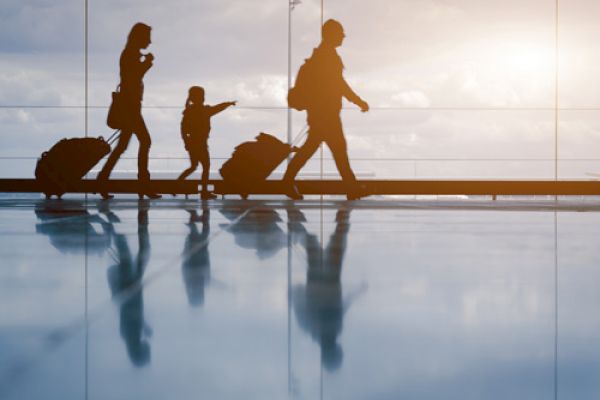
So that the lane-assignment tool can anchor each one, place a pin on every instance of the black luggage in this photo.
(68, 161)
(252, 162)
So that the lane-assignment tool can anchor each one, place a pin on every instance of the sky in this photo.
(455, 84)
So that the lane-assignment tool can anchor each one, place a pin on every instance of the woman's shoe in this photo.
(207, 196)
(291, 191)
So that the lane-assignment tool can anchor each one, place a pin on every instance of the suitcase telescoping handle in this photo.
(303, 132)
(113, 138)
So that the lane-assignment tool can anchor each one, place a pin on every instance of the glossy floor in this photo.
(267, 300)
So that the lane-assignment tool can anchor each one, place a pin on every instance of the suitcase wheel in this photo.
(49, 195)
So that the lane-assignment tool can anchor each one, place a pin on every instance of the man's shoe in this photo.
(357, 193)
(292, 192)
(353, 196)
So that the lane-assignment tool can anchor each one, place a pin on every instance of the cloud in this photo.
(41, 26)
(27, 87)
(412, 98)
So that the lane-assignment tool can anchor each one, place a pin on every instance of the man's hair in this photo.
(331, 26)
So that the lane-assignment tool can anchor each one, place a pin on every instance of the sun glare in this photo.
(528, 59)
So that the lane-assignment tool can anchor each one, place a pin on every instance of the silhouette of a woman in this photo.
(133, 66)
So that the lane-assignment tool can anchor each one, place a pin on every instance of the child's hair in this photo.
(195, 91)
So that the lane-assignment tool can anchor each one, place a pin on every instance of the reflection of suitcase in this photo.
(68, 161)
(71, 231)
(252, 162)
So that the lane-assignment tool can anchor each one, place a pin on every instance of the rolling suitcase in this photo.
(68, 161)
(252, 162)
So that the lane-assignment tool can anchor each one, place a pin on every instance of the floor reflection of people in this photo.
(195, 268)
(125, 280)
(319, 304)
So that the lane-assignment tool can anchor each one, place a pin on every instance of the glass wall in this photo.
(457, 89)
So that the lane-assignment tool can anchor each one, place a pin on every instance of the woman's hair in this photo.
(194, 92)
(136, 33)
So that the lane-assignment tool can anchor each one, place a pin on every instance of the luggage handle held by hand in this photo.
(297, 139)
(113, 138)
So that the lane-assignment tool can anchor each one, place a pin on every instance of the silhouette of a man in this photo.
(319, 304)
(328, 86)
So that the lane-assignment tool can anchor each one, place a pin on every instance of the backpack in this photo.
(300, 95)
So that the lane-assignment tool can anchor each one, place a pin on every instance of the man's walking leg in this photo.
(339, 150)
(300, 158)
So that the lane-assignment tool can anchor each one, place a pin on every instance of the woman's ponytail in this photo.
(188, 101)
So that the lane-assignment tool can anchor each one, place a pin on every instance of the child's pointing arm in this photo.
(220, 107)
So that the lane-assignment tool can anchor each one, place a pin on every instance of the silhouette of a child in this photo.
(195, 128)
